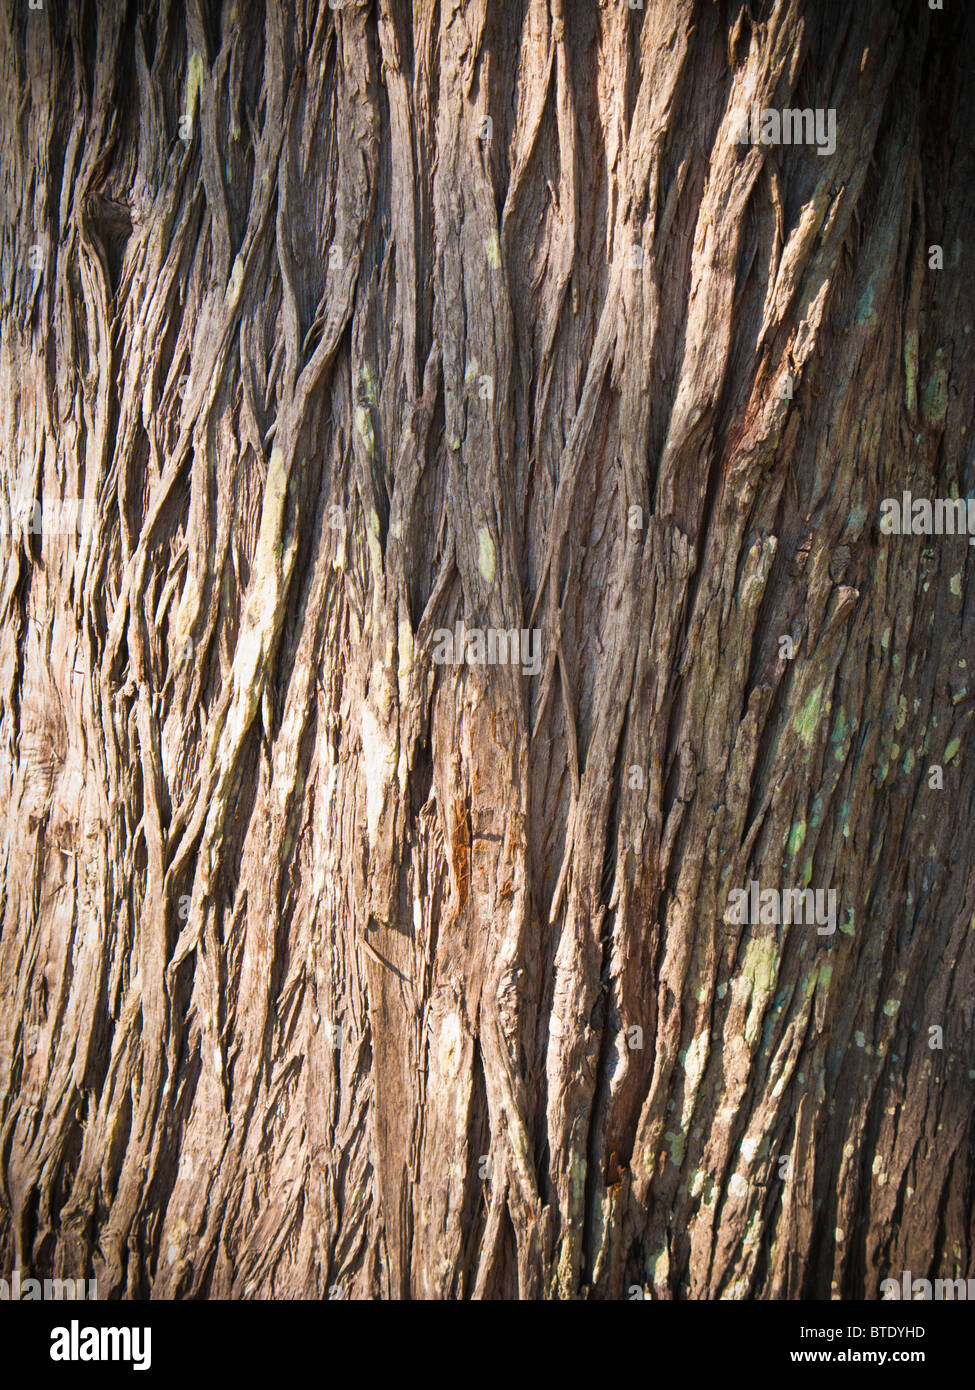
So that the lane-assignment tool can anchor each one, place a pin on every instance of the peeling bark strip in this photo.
(329, 968)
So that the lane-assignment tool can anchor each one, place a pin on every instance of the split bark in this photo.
(327, 969)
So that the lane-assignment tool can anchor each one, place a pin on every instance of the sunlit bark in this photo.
(331, 966)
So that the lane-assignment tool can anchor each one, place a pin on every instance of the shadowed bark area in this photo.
(327, 967)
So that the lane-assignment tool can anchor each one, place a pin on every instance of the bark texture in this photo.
(327, 970)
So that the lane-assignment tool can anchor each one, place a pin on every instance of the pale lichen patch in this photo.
(487, 560)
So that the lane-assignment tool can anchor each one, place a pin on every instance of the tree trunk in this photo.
(342, 956)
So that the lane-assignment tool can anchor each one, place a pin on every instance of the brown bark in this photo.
(327, 969)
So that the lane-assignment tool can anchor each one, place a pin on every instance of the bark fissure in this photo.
(330, 967)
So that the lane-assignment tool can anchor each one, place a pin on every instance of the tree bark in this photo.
(330, 968)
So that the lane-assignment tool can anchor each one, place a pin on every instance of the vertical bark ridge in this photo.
(328, 969)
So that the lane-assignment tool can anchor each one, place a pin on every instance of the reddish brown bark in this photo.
(330, 968)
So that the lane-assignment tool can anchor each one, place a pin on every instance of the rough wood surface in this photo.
(326, 969)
